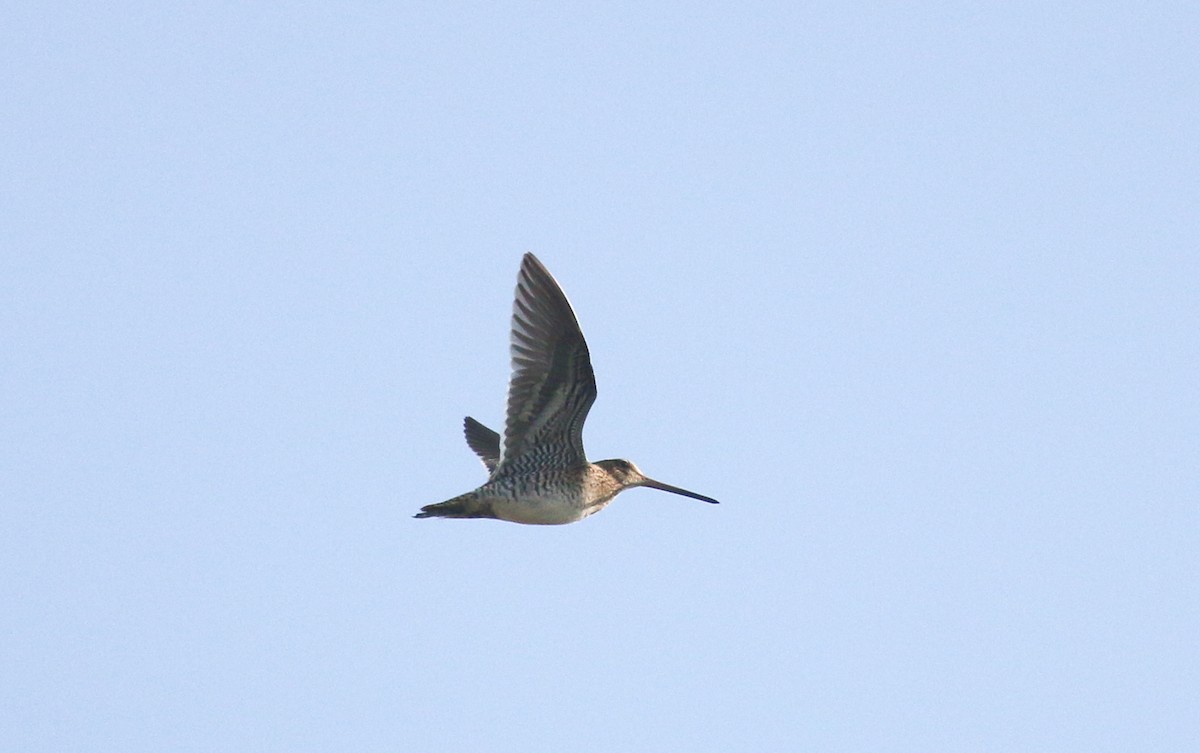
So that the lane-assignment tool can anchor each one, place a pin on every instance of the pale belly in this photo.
(542, 511)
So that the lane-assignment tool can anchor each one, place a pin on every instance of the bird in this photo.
(538, 473)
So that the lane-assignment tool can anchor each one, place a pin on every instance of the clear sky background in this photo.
(913, 289)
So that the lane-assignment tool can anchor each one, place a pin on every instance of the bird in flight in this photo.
(539, 474)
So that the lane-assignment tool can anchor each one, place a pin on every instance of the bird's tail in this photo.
(467, 505)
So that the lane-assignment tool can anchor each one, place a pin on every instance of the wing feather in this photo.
(552, 386)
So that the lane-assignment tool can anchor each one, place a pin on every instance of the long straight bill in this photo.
(676, 490)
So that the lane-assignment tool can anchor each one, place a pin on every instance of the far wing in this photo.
(483, 441)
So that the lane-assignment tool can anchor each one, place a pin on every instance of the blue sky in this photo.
(913, 289)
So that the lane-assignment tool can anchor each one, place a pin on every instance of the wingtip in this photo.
(530, 264)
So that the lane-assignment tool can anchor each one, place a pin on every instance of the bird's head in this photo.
(629, 475)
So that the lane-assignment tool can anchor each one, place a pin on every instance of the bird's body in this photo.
(547, 497)
(541, 476)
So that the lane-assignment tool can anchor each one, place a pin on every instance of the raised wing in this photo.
(483, 441)
(552, 386)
